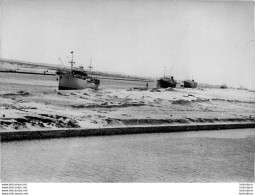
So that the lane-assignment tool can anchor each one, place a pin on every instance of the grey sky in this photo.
(209, 41)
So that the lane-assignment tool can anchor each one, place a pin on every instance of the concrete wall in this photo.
(46, 134)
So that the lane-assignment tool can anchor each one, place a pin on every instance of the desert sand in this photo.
(24, 109)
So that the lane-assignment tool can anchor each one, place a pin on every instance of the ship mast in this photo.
(90, 67)
(72, 62)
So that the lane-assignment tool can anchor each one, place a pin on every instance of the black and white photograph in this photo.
(127, 91)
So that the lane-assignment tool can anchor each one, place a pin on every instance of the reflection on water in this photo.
(205, 156)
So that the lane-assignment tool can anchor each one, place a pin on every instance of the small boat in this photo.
(166, 82)
(76, 78)
(223, 86)
(190, 84)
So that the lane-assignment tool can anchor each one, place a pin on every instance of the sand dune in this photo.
(88, 108)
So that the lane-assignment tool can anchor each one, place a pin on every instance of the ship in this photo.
(166, 82)
(242, 88)
(223, 86)
(190, 84)
(76, 78)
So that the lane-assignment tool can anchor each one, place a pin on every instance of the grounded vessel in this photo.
(166, 82)
(76, 78)
(190, 84)
(223, 86)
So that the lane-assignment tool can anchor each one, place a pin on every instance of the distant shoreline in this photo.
(24, 72)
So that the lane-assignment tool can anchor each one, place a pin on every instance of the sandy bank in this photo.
(32, 109)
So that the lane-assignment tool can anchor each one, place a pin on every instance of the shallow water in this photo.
(38, 83)
(204, 156)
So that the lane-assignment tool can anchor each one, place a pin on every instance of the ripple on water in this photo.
(208, 156)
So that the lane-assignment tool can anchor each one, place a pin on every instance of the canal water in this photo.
(38, 83)
(203, 156)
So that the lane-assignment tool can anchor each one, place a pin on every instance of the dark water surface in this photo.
(205, 156)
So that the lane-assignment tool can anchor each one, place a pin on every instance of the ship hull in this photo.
(223, 87)
(190, 84)
(69, 82)
(165, 84)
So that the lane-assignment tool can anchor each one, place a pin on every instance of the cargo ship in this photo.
(190, 84)
(76, 78)
(166, 82)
